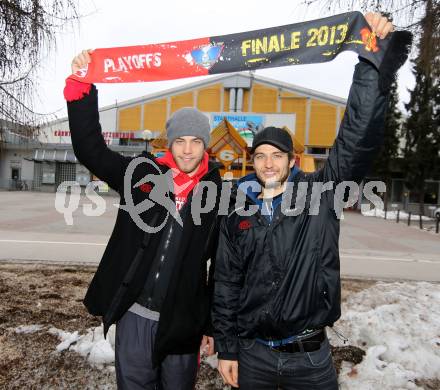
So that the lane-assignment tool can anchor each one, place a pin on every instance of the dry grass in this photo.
(52, 296)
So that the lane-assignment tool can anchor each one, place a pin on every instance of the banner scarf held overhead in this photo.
(309, 42)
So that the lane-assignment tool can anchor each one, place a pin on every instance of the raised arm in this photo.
(87, 140)
(361, 131)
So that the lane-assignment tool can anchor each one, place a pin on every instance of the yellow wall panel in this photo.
(155, 115)
(182, 100)
(130, 119)
(226, 100)
(246, 94)
(341, 113)
(264, 99)
(208, 99)
(292, 103)
(322, 124)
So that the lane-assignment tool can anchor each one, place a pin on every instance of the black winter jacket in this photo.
(124, 267)
(276, 279)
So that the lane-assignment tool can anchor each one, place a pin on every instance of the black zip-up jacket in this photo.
(276, 279)
(125, 265)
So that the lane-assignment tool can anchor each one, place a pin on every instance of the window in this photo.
(318, 151)
(15, 173)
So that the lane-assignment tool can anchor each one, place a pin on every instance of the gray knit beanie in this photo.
(188, 121)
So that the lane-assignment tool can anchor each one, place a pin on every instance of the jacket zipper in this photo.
(169, 236)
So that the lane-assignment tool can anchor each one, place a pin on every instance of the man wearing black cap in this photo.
(277, 280)
(252, 272)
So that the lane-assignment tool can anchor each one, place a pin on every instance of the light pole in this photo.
(147, 136)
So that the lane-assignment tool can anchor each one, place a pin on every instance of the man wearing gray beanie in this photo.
(188, 121)
(155, 286)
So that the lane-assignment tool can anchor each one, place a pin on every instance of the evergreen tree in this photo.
(385, 159)
(422, 128)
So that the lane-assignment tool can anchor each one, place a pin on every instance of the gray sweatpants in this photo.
(134, 368)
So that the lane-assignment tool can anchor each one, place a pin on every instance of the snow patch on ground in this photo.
(67, 338)
(92, 345)
(374, 373)
(392, 215)
(28, 328)
(398, 326)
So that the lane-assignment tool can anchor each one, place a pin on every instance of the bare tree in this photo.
(421, 130)
(406, 14)
(28, 32)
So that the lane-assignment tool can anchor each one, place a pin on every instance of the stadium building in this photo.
(238, 105)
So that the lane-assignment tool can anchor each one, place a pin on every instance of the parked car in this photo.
(437, 213)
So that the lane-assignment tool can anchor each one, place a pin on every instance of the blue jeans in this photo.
(262, 368)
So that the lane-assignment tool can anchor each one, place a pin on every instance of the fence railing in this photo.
(423, 221)
(18, 185)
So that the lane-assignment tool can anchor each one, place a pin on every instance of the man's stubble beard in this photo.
(274, 184)
(192, 169)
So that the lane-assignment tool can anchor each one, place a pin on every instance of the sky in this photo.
(135, 22)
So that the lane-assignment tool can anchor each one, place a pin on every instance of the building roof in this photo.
(230, 79)
(226, 133)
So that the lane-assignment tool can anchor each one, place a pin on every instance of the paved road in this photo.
(373, 247)
(31, 229)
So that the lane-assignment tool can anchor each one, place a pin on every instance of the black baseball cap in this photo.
(275, 136)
